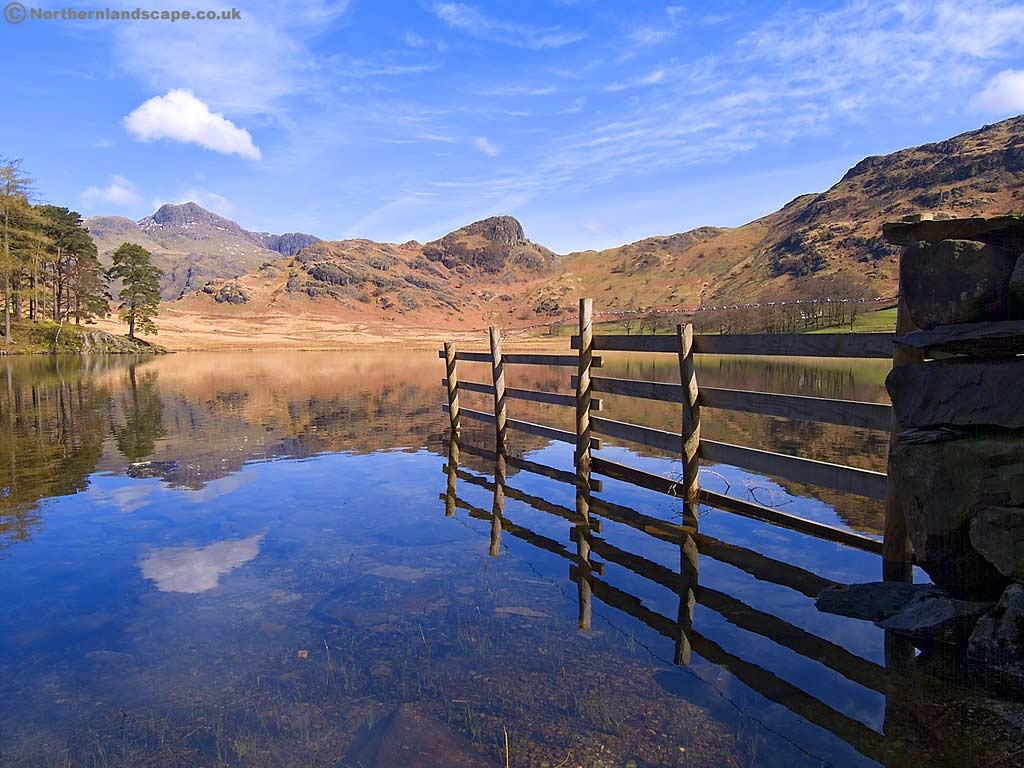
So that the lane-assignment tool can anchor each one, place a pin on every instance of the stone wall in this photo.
(957, 460)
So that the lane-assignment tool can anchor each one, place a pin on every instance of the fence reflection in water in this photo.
(587, 571)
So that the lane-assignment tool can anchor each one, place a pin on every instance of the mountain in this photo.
(462, 272)
(823, 244)
(818, 245)
(192, 245)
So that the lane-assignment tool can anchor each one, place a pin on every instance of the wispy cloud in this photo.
(483, 144)
(247, 66)
(180, 116)
(119, 192)
(470, 20)
(653, 77)
(518, 90)
(664, 28)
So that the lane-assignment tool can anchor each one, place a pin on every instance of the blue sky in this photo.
(594, 123)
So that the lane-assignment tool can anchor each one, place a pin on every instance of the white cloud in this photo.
(1003, 95)
(119, 192)
(180, 116)
(483, 144)
(469, 20)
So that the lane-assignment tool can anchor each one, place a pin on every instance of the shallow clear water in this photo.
(246, 560)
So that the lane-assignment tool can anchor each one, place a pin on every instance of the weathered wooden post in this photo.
(451, 470)
(581, 457)
(452, 382)
(581, 460)
(897, 552)
(688, 573)
(498, 506)
(691, 424)
(498, 376)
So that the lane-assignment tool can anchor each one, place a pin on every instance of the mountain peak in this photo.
(186, 215)
(503, 230)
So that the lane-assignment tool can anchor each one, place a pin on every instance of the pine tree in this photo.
(16, 232)
(140, 287)
(79, 284)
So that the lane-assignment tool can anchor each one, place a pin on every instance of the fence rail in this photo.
(877, 346)
(849, 413)
(592, 424)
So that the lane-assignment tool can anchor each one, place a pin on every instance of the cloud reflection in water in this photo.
(197, 569)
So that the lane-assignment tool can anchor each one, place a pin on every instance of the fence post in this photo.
(581, 460)
(897, 552)
(451, 470)
(688, 572)
(498, 376)
(498, 505)
(452, 379)
(691, 423)
(583, 387)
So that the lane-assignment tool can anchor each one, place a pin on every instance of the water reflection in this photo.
(588, 574)
(243, 560)
(193, 570)
(143, 415)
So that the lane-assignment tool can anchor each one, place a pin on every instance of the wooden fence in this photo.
(587, 573)
(687, 442)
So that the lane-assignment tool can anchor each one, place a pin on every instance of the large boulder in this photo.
(998, 534)
(955, 281)
(934, 617)
(941, 486)
(872, 601)
(1004, 231)
(1017, 290)
(997, 643)
(958, 393)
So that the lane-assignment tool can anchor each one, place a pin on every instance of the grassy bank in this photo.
(38, 338)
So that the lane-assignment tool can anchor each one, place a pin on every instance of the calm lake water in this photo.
(245, 560)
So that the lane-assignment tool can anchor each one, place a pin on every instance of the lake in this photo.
(258, 560)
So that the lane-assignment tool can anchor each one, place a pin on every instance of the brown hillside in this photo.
(818, 245)
(477, 272)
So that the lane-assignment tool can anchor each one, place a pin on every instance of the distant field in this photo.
(880, 321)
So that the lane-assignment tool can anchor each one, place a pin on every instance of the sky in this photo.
(594, 123)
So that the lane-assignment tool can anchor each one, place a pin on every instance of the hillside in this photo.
(234, 290)
(479, 270)
(192, 245)
(818, 244)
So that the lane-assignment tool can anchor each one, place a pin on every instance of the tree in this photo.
(79, 285)
(140, 287)
(15, 230)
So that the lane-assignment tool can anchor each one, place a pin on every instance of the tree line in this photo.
(50, 269)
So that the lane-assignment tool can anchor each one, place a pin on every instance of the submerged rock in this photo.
(997, 643)
(936, 618)
(872, 601)
(411, 738)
